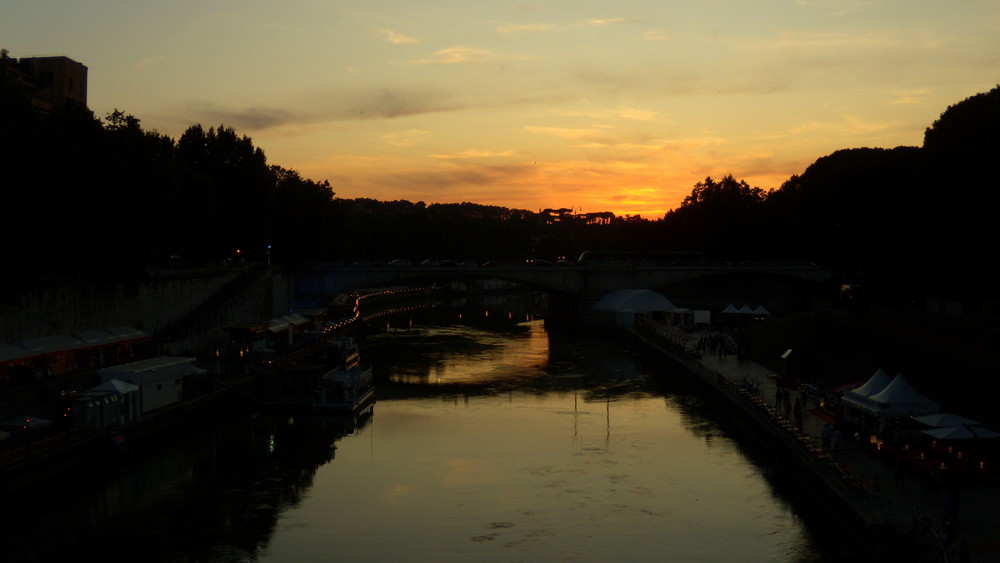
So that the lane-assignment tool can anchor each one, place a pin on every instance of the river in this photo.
(491, 439)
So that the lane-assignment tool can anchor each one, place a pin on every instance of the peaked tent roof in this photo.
(860, 397)
(730, 309)
(760, 310)
(961, 432)
(875, 384)
(900, 398)
(942, 419)
(634, 301)
(745, 310)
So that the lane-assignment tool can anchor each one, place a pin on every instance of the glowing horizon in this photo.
(617, 108)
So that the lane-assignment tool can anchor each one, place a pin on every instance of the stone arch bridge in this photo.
(572, 287)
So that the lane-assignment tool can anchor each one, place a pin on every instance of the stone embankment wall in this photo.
(154, 305)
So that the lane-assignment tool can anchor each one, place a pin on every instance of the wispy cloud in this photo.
(637, 114)
(250, 118)
(601, 22)
(457, 54)
(910, 97)
(406, 138)
(656, 36)
(378, 103)
(328, 106)
(562, 132)
(526, 28)
(473, 153)
(537, 27)
(395, 37)
(631, 114)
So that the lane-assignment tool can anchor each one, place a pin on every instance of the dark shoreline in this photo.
(863, 536)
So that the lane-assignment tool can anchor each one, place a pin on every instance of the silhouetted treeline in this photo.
(906, 222)
(103, 198)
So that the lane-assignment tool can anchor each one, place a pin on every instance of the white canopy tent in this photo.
(623, 304)
(943, 419)
(899, 398)
(961, 432)
(861, 397)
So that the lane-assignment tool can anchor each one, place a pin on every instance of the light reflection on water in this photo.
(472, 355)
(535, 473)
(502, 445)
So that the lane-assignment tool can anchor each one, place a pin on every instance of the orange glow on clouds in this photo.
(618, 108)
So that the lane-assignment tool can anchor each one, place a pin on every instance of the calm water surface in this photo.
(509, 445)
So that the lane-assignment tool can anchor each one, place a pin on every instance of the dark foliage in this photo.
(107, 199)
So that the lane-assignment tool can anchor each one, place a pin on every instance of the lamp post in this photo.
(786, 359)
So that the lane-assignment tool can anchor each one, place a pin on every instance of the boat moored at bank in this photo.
(349, 386)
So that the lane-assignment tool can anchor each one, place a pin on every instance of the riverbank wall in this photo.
(75, 453)
(788, 454)
(184, 308)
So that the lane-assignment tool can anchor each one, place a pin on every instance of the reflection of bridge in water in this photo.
(570, 286)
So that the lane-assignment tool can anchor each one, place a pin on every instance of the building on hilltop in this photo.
(49, 82)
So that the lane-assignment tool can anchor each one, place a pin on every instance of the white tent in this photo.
(899, 398)
(875, 384)
(961, 432)
(761, 311)
(623, 304)
(860, 397)
(730, 310)
(943, 419)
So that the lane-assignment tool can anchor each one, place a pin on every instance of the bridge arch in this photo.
(577, 286)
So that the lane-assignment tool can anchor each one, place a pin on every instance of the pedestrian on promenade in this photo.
(836, 440)
(825, 436)
(777, 398)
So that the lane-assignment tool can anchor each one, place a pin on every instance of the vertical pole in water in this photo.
(576, 415)
(608, 414)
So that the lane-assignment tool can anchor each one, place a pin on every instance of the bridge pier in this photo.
(564, 309)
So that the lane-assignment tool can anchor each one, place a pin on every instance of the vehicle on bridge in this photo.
(639, 258)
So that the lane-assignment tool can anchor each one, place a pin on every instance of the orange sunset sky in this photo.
(599, 106)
